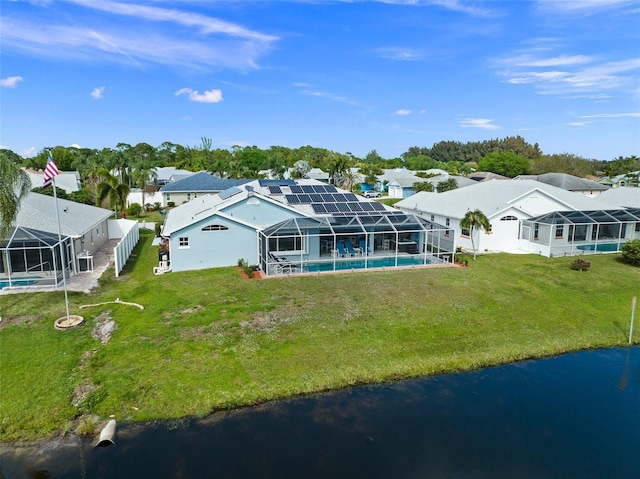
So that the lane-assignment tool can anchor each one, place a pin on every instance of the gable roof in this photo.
(566, 182)
(69, 181)
(624, 196)
(202, 182)
(38, 212)
(494, 196)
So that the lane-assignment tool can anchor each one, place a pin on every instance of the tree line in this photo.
(133, 165)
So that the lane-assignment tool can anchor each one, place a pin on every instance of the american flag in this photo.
(50, 171)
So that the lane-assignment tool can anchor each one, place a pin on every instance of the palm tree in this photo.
(15, 185)
(110, 188)
(475, 220)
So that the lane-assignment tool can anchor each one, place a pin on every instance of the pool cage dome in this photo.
(353, 242)
(33, 257)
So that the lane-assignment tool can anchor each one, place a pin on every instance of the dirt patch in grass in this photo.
(104, 327)
(28, 318)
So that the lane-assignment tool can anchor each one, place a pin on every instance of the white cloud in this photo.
(582, 6)
(135, 34)
(569, 74)
(455, 5)
(579, 123)
(307, 90)
(28, 152)
(482, 123)
(209, 96)
(97, 92)
(403, 112)
(10, 82)
(75, 145)
(397, 53)
(613, 115)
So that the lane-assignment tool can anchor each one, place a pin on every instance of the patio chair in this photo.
(282, 265)
(341, 249)
(364, 248)
(350, 249)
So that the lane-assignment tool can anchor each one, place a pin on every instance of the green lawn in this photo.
(208, 339)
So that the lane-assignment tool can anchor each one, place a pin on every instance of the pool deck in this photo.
(83, 282)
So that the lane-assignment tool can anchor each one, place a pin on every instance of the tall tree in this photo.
(111, 190)
(14, 186)
(475, 220)
(447, 185)
(423, 186)
(504, 163)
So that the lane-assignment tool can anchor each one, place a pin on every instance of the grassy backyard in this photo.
(208, 339)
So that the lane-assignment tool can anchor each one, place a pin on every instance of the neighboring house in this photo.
(507, 204)
(317, 174)
(486, 176)
(401, 186)
(165, 174)
(149, 195)
(195, 185)
(31, 254)
(69, 181)
(568, 182)
(301, 226)
(631, 179)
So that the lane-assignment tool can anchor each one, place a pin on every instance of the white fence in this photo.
(129, 232)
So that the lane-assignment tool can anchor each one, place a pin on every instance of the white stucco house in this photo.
(508, 204)
(299, 226)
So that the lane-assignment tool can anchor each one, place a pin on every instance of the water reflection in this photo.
(576, 415)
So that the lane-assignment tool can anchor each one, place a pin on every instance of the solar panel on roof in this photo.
(275, 190)
(296, 189)
(350, 197)
(356, 207)
(304, 198)
(307, 189)
(366, 206)
(316, 198)
(331, 207)
(343, 207)
(327, 198)
(330, 188)
(318, 208)
(229, 192)
(318, 189)
(377, 206)
(292, 199)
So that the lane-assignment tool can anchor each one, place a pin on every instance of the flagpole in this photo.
(62, 251)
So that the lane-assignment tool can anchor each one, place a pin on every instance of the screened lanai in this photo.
(31, 257)
(571, 233)
(353, 242)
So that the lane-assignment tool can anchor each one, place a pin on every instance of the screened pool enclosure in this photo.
(572, 233)
(36, 258)
(353, 242)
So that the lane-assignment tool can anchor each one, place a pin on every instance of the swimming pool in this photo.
(17, 282)
(361, 263)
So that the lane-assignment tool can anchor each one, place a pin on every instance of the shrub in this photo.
(171, 204)
(248, 270)
(135, 209)
(631, 252)
(580, 265)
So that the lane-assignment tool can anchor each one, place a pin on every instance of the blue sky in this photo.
(349, 76)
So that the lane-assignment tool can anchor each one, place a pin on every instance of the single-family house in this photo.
(36, 252)
(299, 226)
(317, 174)
(568, 182)
(508, 204)
(195, 185)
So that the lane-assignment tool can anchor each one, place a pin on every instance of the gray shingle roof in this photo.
(38, 212)
(202, 182)
(566, 182)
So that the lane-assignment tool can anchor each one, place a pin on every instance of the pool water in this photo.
(342, 265)
(17, 282)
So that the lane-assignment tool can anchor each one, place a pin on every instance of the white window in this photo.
(215, 228)
(183, 242)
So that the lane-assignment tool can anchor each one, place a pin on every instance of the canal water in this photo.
(572, 416)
